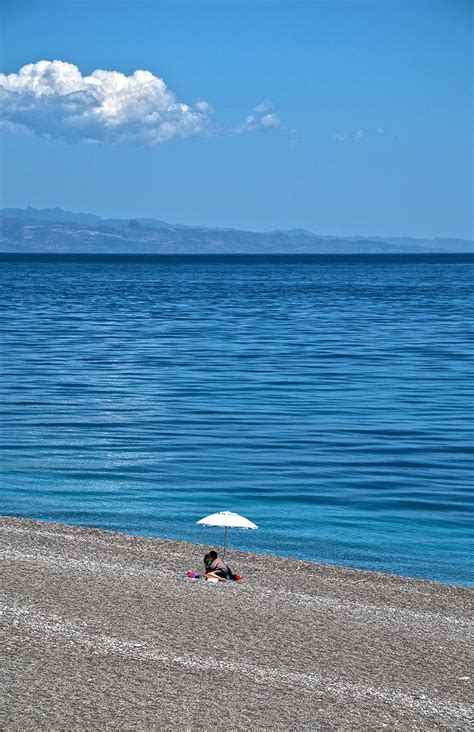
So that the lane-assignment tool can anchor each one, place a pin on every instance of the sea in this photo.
(329, 399)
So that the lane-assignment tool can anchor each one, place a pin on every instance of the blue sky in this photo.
(368, 114)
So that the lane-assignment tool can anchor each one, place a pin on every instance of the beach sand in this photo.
(103, 632)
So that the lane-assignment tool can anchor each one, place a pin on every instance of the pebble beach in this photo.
(103, 631)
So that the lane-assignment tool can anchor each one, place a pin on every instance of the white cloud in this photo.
(203, 106)
(358, 135)
(265, 106)
(253, 122)
(53, 98)
(270, 120)
(249, 125)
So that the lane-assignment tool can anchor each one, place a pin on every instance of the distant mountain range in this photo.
(53, 230)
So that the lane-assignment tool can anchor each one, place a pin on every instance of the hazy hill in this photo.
(55, 230)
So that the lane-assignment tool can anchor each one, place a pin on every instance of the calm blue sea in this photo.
(327, 398)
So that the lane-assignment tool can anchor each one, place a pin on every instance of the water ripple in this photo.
(330, 398)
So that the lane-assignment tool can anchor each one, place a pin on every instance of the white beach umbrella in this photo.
(227, 520)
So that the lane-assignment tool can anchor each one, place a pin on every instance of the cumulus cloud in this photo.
(380, 131)
(262, 118)
(270, 120)
(53, 98)
(265, 106)
(247, 126)
(359, 135)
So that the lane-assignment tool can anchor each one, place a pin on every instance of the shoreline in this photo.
(104, 632)
(205, 546)
(238, 553)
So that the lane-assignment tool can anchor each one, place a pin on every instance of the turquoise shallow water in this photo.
(329, 399)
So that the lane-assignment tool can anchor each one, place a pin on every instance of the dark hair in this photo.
(207, 559)
(213, 554)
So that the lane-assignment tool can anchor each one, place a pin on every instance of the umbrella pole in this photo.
(225, 541)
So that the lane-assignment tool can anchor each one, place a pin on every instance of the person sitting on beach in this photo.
(216, 567)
